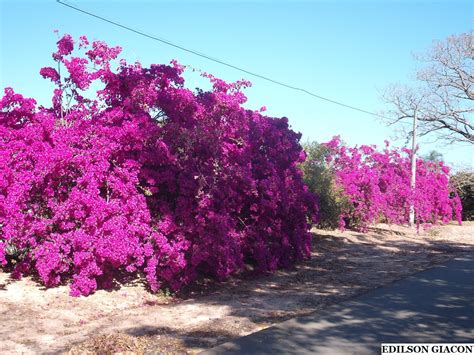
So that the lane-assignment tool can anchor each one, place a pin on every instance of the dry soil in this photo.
(130, 319)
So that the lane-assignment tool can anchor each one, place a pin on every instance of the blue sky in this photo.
(345, 50)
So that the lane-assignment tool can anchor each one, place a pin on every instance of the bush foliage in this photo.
(319, 177)
(463, 181)
(147, 177)
(362, 185)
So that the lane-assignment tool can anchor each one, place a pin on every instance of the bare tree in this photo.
(444, 100)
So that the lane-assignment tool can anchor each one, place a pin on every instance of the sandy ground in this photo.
(343, 265)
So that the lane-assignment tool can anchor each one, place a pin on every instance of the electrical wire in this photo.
(169, 43)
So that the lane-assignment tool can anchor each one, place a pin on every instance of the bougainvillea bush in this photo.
(145, 178)
(377, 184)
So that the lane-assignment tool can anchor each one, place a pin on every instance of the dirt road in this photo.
(35, 320)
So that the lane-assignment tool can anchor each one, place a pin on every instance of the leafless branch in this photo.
(444, 101)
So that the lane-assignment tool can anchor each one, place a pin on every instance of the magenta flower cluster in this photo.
(377, 186)
(145, 178)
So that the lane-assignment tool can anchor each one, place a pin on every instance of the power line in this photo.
(169, 43)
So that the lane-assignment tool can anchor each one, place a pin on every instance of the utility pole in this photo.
(413, 171)
(61, 88)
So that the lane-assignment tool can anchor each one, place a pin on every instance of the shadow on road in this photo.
(433, 306)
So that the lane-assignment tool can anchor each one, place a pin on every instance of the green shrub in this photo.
(319, 178)
(463, 181)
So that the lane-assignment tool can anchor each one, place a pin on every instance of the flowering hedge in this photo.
(377, 184)
(147, 177)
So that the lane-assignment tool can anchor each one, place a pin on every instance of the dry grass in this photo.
(131, 320)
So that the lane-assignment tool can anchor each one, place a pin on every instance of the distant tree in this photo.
(319, 177)
(434, 155)
(443, 103)
(463, 181)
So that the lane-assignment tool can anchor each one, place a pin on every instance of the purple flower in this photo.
(50, 73)
(65, 47)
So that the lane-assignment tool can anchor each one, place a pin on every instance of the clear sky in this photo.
(345, 50)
